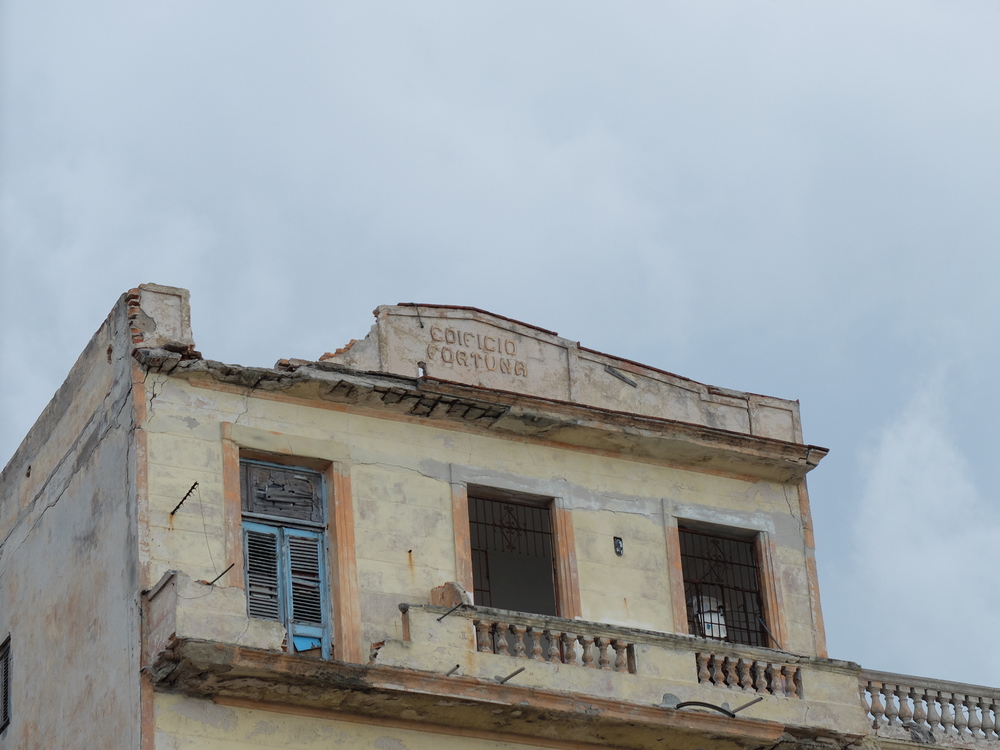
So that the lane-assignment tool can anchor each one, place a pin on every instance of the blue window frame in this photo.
(285, 560)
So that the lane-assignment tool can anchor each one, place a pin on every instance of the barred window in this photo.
(512, 552)
(722, 587)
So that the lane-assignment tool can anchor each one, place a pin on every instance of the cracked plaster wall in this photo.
(68, 571)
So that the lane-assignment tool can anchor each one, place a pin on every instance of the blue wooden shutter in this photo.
(264, 595)
(305, 576)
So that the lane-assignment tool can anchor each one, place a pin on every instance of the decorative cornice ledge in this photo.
(511, 414)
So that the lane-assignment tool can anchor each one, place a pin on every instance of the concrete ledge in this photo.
(225, 672)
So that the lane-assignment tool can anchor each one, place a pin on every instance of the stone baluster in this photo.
(877, 710)
(902, 696)
(621, 657)
(483, 642)
(891, 709)
(975, 722)
(536, 644)
(569, 648)
(718, 672)
(919, 711)
(790, 672)
(603, 660)
(865, 701)
(985, 719)
(743, 667)
(993, 711)
(555, 637)
(588, 651)
(775, 679)
(760, 677)
(518, 631)
(933, 710)
(947, 714)
(732, 679)
(704, 676)
(500, 632)
(961, 720)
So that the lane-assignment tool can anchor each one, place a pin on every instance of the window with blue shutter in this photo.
(284, 549)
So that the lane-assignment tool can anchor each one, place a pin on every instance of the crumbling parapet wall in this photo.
(467, 345)
(68, 574)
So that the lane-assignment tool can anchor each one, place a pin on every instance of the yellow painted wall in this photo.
(183, 723)
(400, 474)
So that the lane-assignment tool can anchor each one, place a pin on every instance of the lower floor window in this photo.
(722, 587)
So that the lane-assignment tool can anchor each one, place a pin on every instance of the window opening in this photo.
(513, 566)
(284, 549)
(5, 684)
(722, 587)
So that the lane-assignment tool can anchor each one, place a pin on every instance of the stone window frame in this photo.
(331, 460)
(567, 583)
(750, 527)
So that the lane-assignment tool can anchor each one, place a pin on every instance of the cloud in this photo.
(926, 553)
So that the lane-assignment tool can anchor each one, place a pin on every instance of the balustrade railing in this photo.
(749, 675)
(931, 709)
(548, 644)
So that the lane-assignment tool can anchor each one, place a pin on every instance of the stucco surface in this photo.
(68, 563)
(401, 476)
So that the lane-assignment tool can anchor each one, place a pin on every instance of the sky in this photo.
(788, 198)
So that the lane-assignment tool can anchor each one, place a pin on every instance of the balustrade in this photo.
(548, 644)
(942, 710)
(749, 675)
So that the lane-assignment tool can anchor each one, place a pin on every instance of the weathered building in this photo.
(460, 532)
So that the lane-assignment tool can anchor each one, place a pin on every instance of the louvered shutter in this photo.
(305, 555)
(262, 551)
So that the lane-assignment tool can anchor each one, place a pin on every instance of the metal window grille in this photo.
(722, 588)
(506, 526)
(5, 684)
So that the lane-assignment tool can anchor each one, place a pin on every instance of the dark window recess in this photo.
(285, 553)
(5, 684)
(282, 492)
(512, 555)
(722, 588)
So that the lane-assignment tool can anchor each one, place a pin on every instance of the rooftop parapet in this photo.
(474, 347)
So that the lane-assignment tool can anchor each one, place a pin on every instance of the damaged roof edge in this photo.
(516, 414)
(488, 353)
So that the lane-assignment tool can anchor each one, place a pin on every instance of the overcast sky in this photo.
(800, 199)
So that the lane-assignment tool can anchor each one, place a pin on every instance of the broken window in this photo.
(5, 684)
(513, 566)
(722, 587)
(284, 552)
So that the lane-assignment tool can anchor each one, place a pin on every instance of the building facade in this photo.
(459, 532)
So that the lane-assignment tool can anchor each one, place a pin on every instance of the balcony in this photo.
(514, 674)
(507, 675)
(916, 709)
(597, 661)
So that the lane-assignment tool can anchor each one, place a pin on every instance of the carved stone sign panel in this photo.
(474, 347)
(469, 347)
